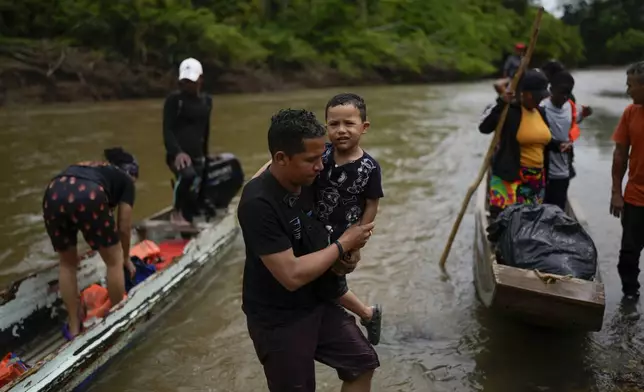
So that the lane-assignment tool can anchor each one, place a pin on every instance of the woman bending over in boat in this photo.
(82, 198)
(518, 164)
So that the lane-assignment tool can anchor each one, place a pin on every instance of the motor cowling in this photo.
(222, 178)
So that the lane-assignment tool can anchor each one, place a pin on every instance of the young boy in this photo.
(563, 115)
(348, 191)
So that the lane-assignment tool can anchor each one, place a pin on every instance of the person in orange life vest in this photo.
(82, 198)
(563, 117)
(518, 174)
(629, 206)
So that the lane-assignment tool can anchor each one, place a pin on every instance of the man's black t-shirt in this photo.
(117, 184)
(273, 220)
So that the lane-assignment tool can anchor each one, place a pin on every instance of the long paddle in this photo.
(525, 60)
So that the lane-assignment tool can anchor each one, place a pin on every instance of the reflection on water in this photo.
(436, 336)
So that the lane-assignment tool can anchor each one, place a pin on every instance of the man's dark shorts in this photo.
(328, 334)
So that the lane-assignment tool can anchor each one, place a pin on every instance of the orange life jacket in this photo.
(11, 367)
(96, 301)
(146, 250)
(574, 132)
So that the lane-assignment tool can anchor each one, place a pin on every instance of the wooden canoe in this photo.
(31, 312)
(572, 304)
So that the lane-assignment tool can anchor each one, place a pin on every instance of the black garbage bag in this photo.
(544, 238)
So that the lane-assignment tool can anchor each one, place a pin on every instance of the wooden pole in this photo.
(525, 61)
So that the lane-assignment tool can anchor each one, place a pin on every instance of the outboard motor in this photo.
(222, 178)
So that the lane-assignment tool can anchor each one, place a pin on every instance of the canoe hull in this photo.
(571, 304)
(75, 364)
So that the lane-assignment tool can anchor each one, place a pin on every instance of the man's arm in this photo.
(620, 164)
(294, 272)
(170, 108)
(622, 141)
(265, 237)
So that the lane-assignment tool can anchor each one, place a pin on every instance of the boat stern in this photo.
(550, 301)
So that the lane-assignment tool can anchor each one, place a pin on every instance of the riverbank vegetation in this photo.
(104, 49)
(612, 30)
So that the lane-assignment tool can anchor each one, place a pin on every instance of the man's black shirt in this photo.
(186, 124)
(273, 220)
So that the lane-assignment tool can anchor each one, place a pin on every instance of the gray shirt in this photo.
(560, 120)
(511, 65)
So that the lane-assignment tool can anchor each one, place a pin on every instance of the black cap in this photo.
(535, 82)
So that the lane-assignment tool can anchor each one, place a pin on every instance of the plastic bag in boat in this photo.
(542, 237)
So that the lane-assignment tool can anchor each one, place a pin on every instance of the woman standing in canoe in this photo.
(82, 198)
(518, 165)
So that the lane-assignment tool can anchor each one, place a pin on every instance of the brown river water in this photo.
(436, 336)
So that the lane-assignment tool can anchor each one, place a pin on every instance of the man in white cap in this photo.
(186, 130)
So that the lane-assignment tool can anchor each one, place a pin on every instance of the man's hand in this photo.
(565, 146)
(507, 96)
(586, 111)
(355, 237)
(182, 160)
(347, 264)
(616, 204)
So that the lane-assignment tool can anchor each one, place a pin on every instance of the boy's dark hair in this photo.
(563, 79)
(348, 99)
(552, 67)
(289, 128)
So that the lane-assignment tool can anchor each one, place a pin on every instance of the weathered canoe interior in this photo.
(564, 303)
(41, 331)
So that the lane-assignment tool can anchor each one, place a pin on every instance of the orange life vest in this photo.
(146, 250)
(11, 367)
(574, 132)
(96, 301)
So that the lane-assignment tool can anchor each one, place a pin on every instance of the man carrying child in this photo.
(347, 192)
(287, 252)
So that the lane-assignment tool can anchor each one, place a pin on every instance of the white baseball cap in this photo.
(190, 69)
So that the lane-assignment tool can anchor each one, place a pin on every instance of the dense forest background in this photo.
(53, 50)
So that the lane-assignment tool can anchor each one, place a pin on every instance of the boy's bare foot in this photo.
(373, 324)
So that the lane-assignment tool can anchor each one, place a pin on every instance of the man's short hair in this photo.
(348, 99)
(289, 128)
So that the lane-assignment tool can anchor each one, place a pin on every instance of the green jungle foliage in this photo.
(395, 39)
(612, 30)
